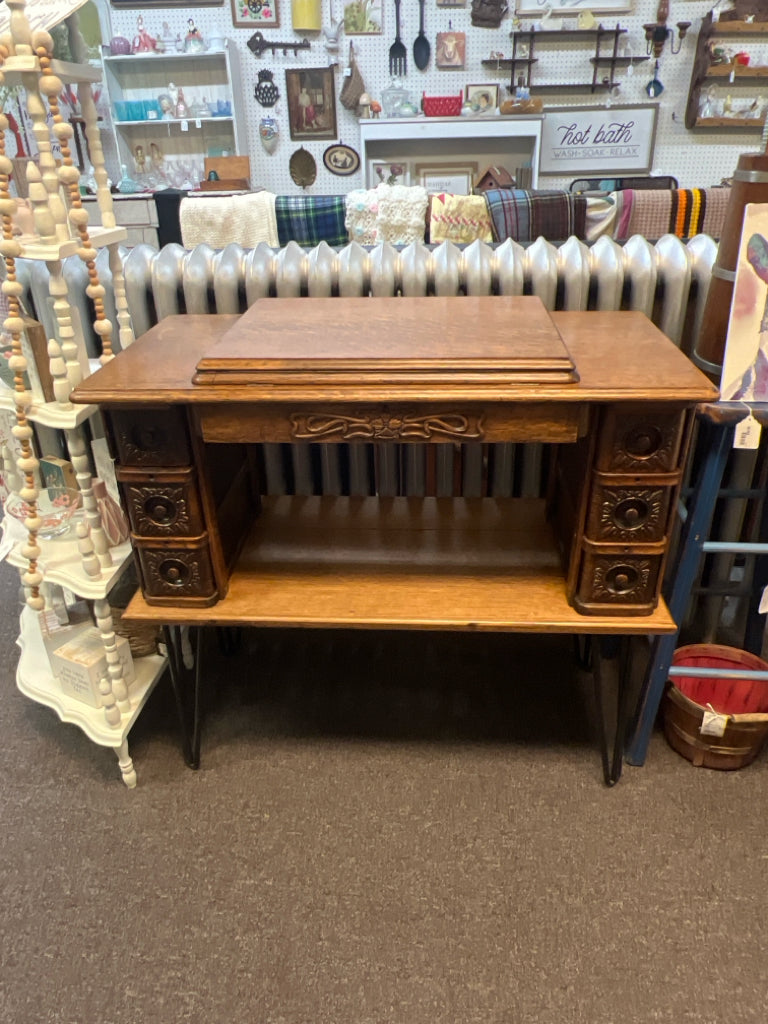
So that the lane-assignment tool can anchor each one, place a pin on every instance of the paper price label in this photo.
(747, 433)
(185, 126)
(198, 123)
(713, 724)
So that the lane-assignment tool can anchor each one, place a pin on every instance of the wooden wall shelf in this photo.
(706, 74)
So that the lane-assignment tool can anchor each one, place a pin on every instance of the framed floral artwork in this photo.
(255, 13)
(363, 18)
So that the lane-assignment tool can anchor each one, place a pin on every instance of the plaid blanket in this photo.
(310, 220)
(524, 216)
(681, 211)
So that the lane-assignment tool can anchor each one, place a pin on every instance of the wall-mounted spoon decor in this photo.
(421, 47)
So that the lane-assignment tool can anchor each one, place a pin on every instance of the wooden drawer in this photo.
(613, 580)
(633, 509)
(151, 437)
(176, 571)
(642, 440)
(162, 504)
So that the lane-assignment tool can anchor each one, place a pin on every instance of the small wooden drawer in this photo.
(176, 571)
(151, 437)
(634, 509)
(612, 580)
(646, 440)
(162, 504)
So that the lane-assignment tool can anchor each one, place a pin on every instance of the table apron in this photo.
(555, 423)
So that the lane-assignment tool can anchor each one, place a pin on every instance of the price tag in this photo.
(185, 126)
(198, 123)
(713, 724)
(747, 433)
(347, 72)
(151, 115)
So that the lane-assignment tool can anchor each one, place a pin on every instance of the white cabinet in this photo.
(435, 142)
(82, 561)
(154, 143)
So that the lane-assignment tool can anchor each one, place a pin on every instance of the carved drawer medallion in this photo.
(640, 442)
(152, 437)
(162, 510)
(628, 513)
(619, 579)
(176, 572)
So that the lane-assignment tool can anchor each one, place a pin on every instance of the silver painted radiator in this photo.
(667, 281)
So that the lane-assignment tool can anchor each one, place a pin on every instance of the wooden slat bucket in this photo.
(749, 185)
(743, 701)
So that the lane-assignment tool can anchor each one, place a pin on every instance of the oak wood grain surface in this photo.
(620, 356)
(410, 563)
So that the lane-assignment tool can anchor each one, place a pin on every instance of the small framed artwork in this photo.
(390, 172)
(482, 97)
(451, 49)
(255, 13)
(583, 140)
(364, 18)
(311, 103)
(340, 159)
(456, 179)
(131, 4)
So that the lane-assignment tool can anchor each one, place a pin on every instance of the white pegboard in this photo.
(694, 158)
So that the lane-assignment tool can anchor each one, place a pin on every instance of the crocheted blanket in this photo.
(310, 220)
(524, 216)
(387, 213)
(220, 220)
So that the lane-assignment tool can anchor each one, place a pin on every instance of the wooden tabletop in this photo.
(619, 356)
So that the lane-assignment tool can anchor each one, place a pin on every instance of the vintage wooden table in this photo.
(186, 404)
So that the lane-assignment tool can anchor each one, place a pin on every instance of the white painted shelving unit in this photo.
(82, 560)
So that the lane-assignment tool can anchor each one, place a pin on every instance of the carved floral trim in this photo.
(386, 426)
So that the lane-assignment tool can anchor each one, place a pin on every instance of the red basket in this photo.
(744, 701)
(442, 106)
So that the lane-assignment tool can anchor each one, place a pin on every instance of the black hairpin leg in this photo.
(615, 650)
(190, 735)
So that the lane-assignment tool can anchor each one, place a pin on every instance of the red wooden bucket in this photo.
(743, 701)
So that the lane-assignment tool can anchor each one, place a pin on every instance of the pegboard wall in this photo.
(694, 158)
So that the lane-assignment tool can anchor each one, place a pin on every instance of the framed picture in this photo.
(340, 159)
(451, 49)
(533, 8)
(391, 172)
(311, 103)
(255, 13)
(129, 5)
(580, 140)
(364, 18)
(482, 97)
(744, 376)
(456, 178)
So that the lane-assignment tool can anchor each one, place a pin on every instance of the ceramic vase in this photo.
(269, 133)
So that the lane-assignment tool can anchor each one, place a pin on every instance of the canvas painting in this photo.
(745, 365)
(363, 18)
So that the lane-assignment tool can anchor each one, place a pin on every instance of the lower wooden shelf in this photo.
(401, 563)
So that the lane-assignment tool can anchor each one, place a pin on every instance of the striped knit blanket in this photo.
(524, 216)
(682, 211)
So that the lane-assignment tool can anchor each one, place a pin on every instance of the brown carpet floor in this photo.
(386, 829)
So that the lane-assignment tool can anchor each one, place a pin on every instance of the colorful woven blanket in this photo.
(459, 219)
(310, 220)
(524, 216)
